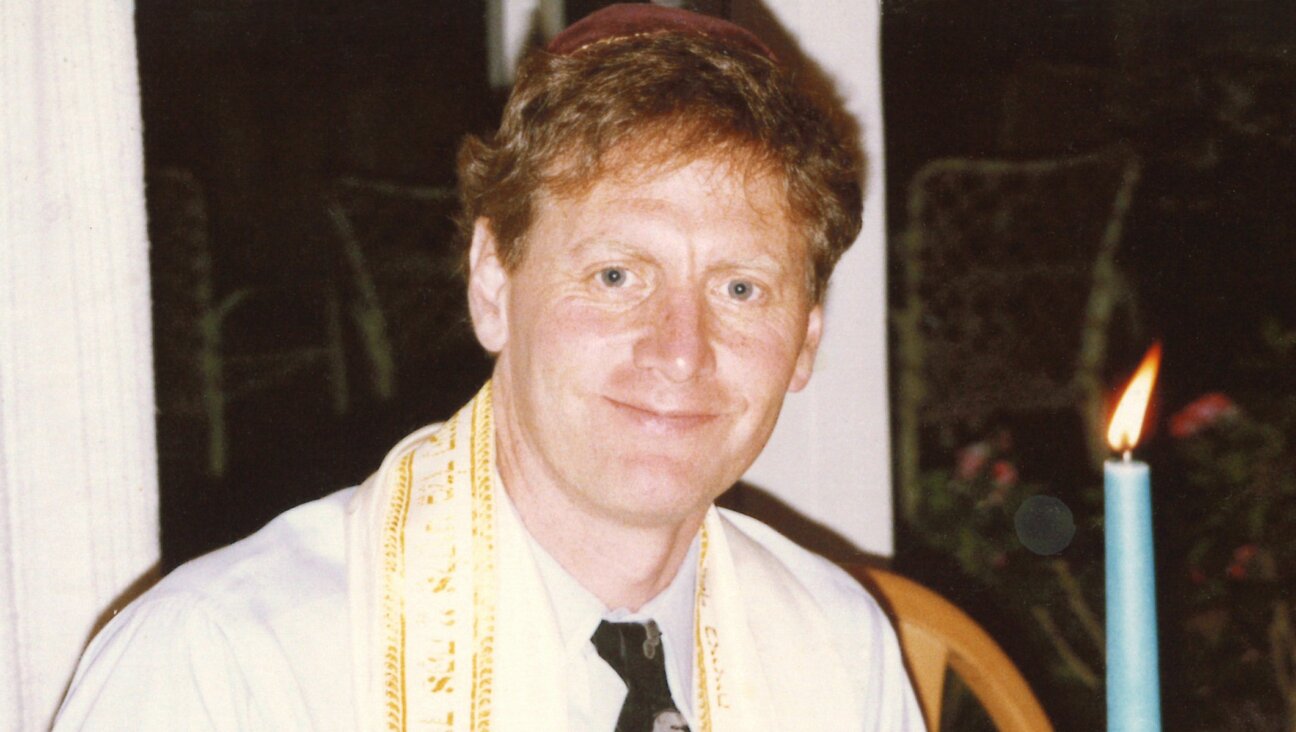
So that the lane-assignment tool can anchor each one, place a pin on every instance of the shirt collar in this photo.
(578, 612)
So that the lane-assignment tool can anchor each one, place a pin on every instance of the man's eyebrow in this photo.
(758, 262)
(604, 242)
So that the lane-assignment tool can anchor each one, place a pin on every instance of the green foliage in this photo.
(1237, 516)
(1226, 530)
(968, 515)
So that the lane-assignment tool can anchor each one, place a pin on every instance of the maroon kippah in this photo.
(627, 19)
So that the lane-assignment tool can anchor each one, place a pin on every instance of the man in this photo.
(651, 233)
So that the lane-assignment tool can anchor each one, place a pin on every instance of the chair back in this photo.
(936, 637)
(1009, 285)
(401, 260)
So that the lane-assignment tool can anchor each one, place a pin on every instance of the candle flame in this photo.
(1127, 421)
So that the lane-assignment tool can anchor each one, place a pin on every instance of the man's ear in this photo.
(809, 348)
(487, 289)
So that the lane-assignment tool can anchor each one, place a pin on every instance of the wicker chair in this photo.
(1009, 287)
(936, 637)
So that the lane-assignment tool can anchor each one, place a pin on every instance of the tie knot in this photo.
(621, 643)
(634, 651)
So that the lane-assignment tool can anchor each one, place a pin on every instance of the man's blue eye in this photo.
(741, 290)
(613, 277)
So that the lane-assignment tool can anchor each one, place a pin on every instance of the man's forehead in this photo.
(629, 165)
(741, 204)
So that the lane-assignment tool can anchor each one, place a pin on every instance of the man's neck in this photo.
(623, 565)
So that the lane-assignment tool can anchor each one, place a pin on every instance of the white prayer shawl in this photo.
(453, 629)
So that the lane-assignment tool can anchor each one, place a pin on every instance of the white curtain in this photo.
(830, 456)
(78, 485)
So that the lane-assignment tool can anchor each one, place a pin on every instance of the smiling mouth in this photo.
(664, 422)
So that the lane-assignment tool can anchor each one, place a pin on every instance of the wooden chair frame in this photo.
(936, 636)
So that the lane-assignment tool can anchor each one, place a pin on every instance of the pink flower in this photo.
(1245, 553)
(1242, 557)
(1201, 413)
(971, 460)
(1003, 473)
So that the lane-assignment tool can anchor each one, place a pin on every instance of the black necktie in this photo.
(635, 652)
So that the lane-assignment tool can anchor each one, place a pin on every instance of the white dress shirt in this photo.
(256, 636)
(595, 691)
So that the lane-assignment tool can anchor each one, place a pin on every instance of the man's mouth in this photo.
(664, 420)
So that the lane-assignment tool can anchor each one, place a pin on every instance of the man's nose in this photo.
(676, 340)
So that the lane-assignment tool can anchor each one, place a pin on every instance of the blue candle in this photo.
(1133, 681)
(1133, 684)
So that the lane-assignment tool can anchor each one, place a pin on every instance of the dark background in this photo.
(266, 106)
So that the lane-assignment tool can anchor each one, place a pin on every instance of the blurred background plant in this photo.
(1003, 546)
(1225, 469)
(1236, 546)
(1202, 93)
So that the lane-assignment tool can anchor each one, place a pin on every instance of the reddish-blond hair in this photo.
(670, 98)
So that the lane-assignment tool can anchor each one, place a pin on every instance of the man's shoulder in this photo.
(298, 556)
(283, 584)
(249, 636)
(810, 617)
(838, 595)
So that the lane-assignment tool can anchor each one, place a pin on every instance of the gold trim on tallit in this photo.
(484, 554)
(440, 565)
(394, 595)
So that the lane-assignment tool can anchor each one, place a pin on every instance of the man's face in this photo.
(647, 339)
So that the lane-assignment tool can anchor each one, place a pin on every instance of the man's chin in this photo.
(665, 491)
(656, 515)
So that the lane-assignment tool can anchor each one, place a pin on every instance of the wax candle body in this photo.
(1133, 683)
